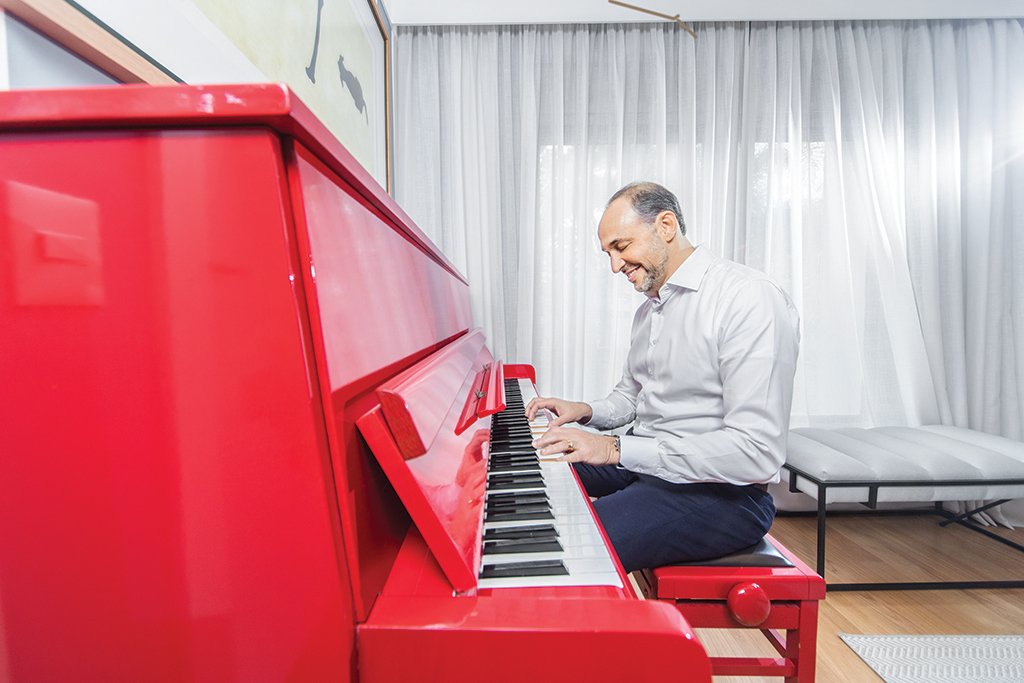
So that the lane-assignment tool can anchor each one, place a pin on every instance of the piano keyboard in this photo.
(538, 528)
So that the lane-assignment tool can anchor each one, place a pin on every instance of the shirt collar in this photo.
(690, 273)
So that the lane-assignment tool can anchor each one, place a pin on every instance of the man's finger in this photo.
(549, 437)
(535, 406)
(530, 409)
(560, 446)
(560, 420)
(545, 440)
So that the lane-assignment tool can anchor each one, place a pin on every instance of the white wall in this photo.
(179, 37)
(31, 60)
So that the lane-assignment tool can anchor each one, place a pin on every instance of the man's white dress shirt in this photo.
(708, 382)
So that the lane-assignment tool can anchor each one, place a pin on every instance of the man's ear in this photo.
(667, 225)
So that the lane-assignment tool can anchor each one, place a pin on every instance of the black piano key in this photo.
(501, 500)
(517, 495)
(507, 485)
(517, 459)
(531, 468)
(524, 545)
(524, 440)
(515, 451)
(514, 475)
(535, 568)
(515, 467)
(512, 437)
(511, 468)
(496, 477)
(525, 531)
(513, 497)
(514, 459)
(524, 508)
(504, 458)
(501, 446)
(506, 468)
(541, 506)
(517, 516)
(501, 481)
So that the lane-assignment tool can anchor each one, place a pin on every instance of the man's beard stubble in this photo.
(654, 274)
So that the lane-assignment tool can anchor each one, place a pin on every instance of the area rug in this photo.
(942, 659)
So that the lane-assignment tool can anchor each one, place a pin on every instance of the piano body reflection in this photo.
(249, 432)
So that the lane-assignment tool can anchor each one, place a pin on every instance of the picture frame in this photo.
(334, 54)
(224, 41)
(384, 26)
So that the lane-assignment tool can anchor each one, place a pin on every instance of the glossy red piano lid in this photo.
(272, 105)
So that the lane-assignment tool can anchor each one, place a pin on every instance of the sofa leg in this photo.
(821, 533)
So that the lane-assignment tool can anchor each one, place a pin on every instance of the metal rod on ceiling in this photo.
(660, 15)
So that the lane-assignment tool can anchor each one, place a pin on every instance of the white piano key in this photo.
(585, 555)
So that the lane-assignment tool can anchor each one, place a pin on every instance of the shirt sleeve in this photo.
(619, 407)
(758, 342)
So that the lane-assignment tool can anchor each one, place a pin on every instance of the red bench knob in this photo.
(749, 604)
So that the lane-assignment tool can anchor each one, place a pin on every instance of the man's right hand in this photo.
(565, 411)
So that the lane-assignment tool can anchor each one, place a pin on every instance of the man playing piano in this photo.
(706, 388)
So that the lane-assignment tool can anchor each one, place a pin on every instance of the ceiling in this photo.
(587, 11)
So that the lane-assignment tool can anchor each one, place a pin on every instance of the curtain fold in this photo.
(875, 169)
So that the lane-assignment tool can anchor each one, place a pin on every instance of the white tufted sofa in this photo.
(904, 464)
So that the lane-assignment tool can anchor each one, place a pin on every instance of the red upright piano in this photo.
(246, 425)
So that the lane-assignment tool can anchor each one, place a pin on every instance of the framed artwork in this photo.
(333, 53)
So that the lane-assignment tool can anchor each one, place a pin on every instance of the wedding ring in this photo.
(570, 449)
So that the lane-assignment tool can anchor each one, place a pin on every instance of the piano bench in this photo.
(764, 587)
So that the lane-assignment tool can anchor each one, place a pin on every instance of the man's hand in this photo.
(565, 411)
(576, 445)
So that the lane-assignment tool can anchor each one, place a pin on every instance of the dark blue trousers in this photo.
(652, 522)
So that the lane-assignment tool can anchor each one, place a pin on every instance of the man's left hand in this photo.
(577, 445)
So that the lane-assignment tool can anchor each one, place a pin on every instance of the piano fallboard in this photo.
(443, 479)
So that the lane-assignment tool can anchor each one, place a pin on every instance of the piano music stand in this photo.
(783, 597)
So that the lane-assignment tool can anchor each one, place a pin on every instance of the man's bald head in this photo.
(649, 200)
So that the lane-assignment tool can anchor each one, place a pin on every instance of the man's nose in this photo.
(617, 263)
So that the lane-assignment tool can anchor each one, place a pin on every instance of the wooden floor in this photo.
(892, 549)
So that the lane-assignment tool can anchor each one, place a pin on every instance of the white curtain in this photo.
(875, 169)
